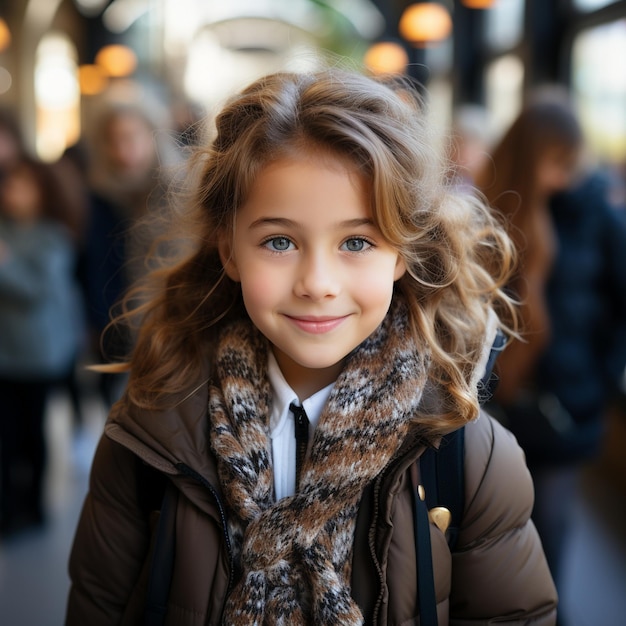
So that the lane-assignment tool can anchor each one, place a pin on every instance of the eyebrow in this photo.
(287, 223)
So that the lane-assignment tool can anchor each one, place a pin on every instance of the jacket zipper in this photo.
(188, 471)
(372, 547)
(390, 471)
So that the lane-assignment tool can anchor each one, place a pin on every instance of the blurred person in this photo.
(537, 156)
(470, 142)
(128, 176)
(556, 384)
(578, 376)
(71, 171)
(40, 330)
(11, 141)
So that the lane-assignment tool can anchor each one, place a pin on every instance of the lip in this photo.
(316, 325)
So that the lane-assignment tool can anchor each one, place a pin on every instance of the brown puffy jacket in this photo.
(497, 573)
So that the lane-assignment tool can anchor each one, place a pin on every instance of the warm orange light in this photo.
(5, 35)
(386, 57)
(478, 4)
(425, 22)
(91, 79)
(116, 60)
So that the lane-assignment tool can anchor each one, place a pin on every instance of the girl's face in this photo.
(20, 196)
(316, 274)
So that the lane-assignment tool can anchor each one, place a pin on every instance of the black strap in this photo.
(302, 437)
(489, 382)
(162, 563)
(442, 470)
(443, 484)
(425, 578)
(150, 487)
(442, 474)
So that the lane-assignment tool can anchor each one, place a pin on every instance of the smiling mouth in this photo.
(317, 325)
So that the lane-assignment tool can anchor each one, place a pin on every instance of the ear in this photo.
(228, 260)
(400, 268)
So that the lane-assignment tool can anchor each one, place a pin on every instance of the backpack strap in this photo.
(154, 492)
(443, 477)
(162, 562)
(150, 487)
(489, 382)
(443, 484)
(442, 470)
(427, 600)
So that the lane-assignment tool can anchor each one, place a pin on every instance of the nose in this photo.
(318, 276)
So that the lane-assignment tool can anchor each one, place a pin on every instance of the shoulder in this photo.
(498, 485)
(164, 437)
(113, 469)
(499, 568)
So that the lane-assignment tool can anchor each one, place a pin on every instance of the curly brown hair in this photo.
(457, 254)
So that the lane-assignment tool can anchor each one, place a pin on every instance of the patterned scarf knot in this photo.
(294, 556)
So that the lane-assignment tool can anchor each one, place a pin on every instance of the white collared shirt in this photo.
(282, 426)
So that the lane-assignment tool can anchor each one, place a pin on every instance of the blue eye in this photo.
(278, 244)
(356, 244)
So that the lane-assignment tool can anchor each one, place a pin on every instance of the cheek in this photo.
(259, 293)
(376, 289)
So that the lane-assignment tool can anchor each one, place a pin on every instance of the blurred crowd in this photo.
(73, 239)
(71, 245)
(561, 384)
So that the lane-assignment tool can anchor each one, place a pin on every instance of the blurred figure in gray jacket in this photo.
(40, 330)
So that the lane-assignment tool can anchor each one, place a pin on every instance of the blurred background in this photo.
(66, 66)
(59, 58)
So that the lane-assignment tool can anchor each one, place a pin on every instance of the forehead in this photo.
(307, 187)
(293, 171)
(308, 156)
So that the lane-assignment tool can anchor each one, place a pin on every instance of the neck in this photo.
(303, 380)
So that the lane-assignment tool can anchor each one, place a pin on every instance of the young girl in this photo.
(330, 270)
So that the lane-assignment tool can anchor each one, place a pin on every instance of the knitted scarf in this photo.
(294, 556)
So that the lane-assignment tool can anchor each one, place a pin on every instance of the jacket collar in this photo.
(170, 438)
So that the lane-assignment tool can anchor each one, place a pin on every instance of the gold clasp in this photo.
(441, 517)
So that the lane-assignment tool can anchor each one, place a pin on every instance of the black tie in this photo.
(302, 437)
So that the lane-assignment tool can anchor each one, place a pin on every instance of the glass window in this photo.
(591, 5)
(57, 96)
(504, 85)
(505, 24)
(599, 88)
